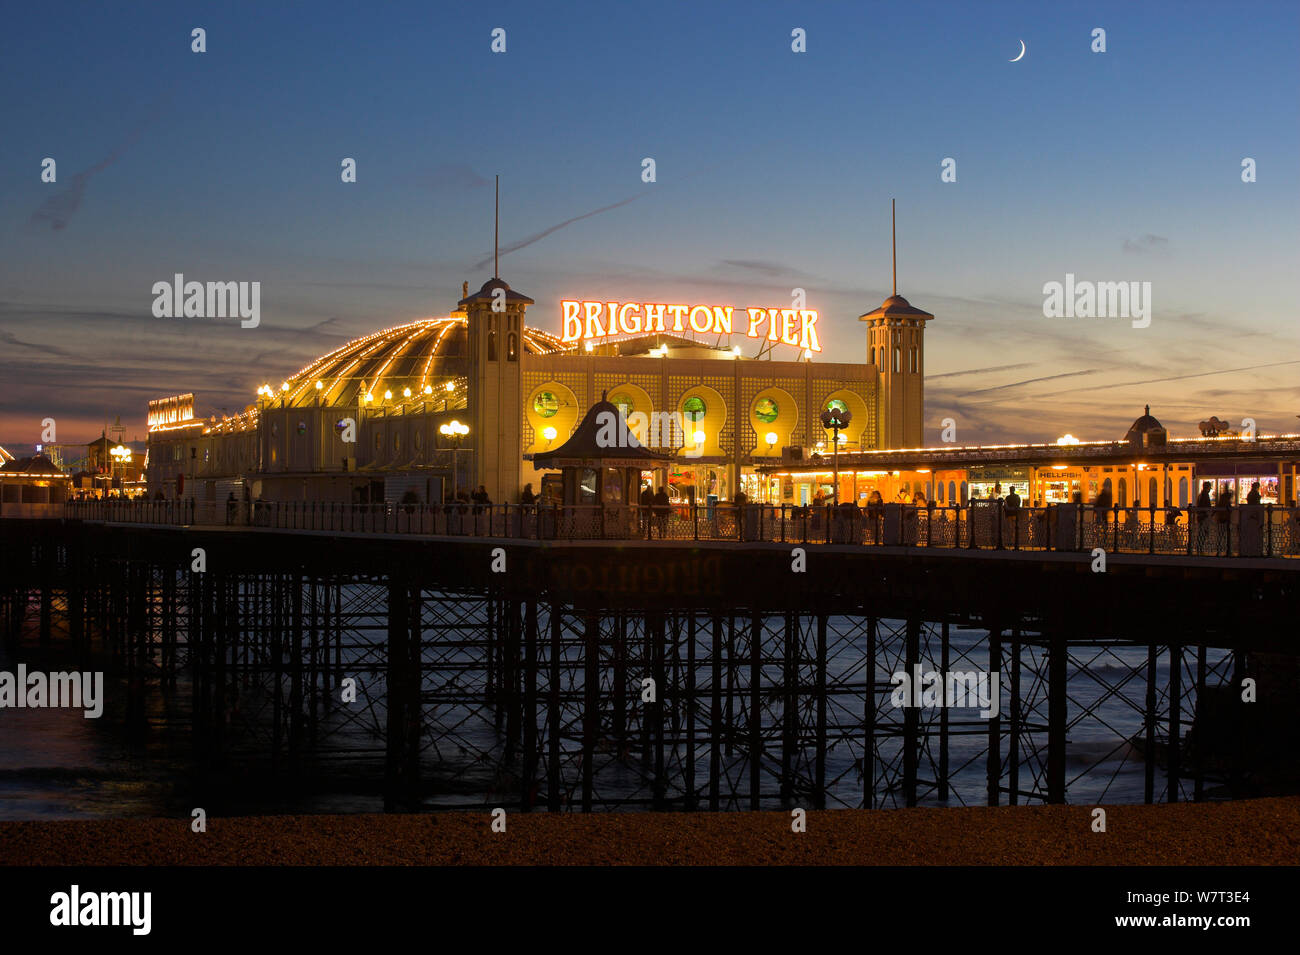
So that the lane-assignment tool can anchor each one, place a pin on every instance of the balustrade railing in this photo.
(1250, 530)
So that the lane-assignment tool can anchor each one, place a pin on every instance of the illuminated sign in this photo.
(172, 410)
(597, 321)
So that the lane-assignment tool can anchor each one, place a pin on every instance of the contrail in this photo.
(545, 232)
(1029, 381)
(587, 215)
(1199, 374)
(978, 371)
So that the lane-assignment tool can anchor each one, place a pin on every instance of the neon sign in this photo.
(597, 321)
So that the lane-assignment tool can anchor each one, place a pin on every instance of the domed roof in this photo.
(426, 353)
(895, 307)
(1143, 426)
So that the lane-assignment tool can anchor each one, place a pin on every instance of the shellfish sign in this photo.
(600, 321)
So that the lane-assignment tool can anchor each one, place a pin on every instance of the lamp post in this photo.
(454, 431)
(836, 419)
(121, 458)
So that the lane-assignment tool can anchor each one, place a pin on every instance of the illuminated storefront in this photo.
(1145, 469)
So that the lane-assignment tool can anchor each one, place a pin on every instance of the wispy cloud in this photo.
(770, 269)
(57, 211)
(1145, 243)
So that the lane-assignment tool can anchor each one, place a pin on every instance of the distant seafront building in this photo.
(367, 421)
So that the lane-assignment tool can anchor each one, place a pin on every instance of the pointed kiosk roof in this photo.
(486, 293)
(585, 450)
(895, 307)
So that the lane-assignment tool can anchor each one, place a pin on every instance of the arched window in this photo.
(546, 404)
(1151, 492)
(897, 358)
(1123, 492)
(694, 408)
(914, 365)
(965, 491)
(512, 348)
(492, 346)
(952, 493)
(1182, 492)
(766, 410)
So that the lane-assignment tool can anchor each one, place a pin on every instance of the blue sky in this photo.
(774, 171)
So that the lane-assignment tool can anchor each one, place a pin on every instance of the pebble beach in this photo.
(1246, 832)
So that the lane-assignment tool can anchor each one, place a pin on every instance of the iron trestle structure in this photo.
(597, 675)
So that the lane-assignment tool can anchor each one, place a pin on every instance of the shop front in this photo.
(707, 483)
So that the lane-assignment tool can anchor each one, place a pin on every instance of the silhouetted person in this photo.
(647, 505)
(662, 504)
(1203, 499)
(1222, 514)
(1253, 497)
(528, 499)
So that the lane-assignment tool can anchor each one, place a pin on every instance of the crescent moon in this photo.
(1022, 53)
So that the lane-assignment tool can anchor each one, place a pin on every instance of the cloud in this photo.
(1145, 243)
(10, 339)
(58, 209)
(770, 269)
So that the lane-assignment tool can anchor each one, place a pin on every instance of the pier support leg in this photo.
(943, 714)
(528, 794)
(994, 766)
(869, 719)
(554, 719)
(715, 719)
(1057, 715)
(591, 706)
(1175, 718)
(755, 708)
(1149, 788)
(911, 713)
(819, 796)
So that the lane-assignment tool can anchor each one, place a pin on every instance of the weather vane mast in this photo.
(893, 243)
(496, 232)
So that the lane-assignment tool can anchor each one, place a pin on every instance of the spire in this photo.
(496, 233)
(893, 242)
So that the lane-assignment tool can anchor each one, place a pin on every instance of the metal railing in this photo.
(1250, 530)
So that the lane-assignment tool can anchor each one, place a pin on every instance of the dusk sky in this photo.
(774, 170)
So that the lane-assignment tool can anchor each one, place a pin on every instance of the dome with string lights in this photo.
(419, 360)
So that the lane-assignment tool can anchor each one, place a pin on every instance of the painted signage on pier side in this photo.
(600, 321)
